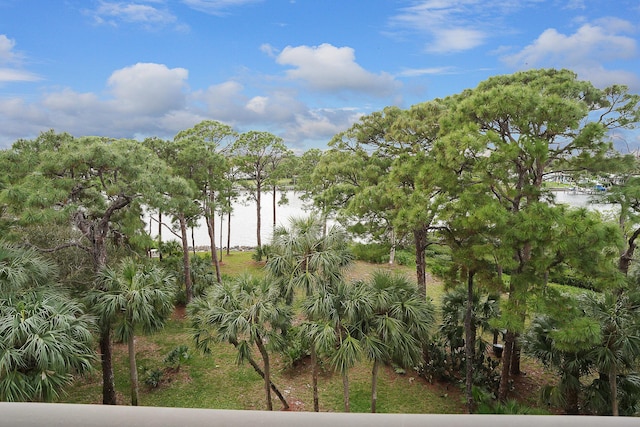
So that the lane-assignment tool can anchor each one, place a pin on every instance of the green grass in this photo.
(215, 381)
(238, 262)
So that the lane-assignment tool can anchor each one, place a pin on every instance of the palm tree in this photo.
(45, 337)
(134, 295)
(398, 326)
(564, 347)
(618, 312)
(244, 312)
(304, 256)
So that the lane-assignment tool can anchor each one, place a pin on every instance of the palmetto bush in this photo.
(45, 340)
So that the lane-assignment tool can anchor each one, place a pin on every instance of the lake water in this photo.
(243, 219)
(244, 222)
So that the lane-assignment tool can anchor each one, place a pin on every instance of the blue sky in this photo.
(301, 69)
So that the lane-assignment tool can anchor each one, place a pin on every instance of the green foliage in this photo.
(376, 253)
(261, 252)
(447, 360)
(405, 257)
(152, 377)
(45, 337)
(177, 356)
(296, 348)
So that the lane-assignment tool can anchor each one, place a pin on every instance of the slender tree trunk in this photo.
(186, 262)
(470, 342)
(193, 241)
(256, 367)
(505, 376)
(211, 228)
(258, 215)
(133, 371)
(515, 357)
(345, 391)
(267, 371)
(98, 237)
(627, 255)
(229, 230)
(392, 251)
(420, 237)
(108, 380)
(613, 387)
(374, 385)
(221, 226)
(571, 406)
(314, 377)
(274, 206)
(159, 234)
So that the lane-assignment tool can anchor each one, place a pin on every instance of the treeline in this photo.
(465, 172)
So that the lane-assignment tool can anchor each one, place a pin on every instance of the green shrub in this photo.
(152, 377)
(295, 350)
(261, 252)
(177, 356)
(371, 252)
(404, 257)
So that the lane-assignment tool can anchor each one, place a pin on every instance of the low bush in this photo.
(371, 252)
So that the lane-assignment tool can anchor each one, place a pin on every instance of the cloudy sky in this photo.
(301, 69)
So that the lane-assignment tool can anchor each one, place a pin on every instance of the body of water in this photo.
(244, 219)
(244, 222)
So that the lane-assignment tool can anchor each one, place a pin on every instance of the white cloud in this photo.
(148, 99)
(415, 72)
(217, 7)
(258, 104)
(149, 16)
(447, 24)
(320, 124)
(148, 88)
(15, 75)
(456, 40)
(11, 63)
(7, 54)
(333, 69)
(585, 52)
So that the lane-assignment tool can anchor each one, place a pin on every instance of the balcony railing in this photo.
(67, 415)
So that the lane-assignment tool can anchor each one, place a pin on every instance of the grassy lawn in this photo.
(216, 381)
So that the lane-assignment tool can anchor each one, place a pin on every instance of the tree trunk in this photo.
(258, 215)
(515, 357)
(267, 371)
(571, 401)
(211, 228)
(505, 376)
(613, 387)
(133, 371)
(392, 251)
(420, 237)
(229, 232)
(186, 262)
(221, 226)
(627, 255)
(470, 342)
(256, 367)
(108, 380)
(159, 234)
(345, 391)
(98, 237)
(274, 206)
(374, 385)
(314, 377)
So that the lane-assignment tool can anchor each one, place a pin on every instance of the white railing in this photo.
(67, 415)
